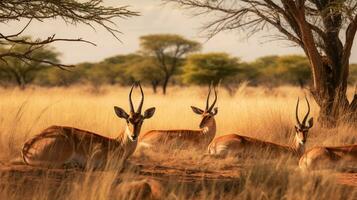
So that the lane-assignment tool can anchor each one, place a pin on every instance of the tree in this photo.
(22, 72)
(53, 76)
(145, 70)
(278, 70)
(89, 12)
(324, 29)
(168, 50)
(202, 69)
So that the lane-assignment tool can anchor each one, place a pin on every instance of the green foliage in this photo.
(199, 69)
(170, 45)
(145, 70)
(168, 51)
(14, 71)
(204, 68)
(278, 70)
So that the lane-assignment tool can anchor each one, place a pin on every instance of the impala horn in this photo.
(214, 101)
(130, 100)
(308, 112)
(142, 99)
(296, 112)
(209, 94)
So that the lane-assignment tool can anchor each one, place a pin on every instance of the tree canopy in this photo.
(168, 51)
(324, 29)
(203, 69)
(22, 72)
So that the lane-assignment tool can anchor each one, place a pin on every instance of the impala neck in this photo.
(209, 128)
(299, 147)
(125, 137)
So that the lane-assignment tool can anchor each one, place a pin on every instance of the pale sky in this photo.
(155, 18)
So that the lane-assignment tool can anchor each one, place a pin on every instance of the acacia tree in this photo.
(202, 69)
(324, 29)
(168, 50)
(145, 70)
(22, 73)
(89, 12)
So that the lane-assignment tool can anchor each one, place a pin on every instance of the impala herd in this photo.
(60, 146)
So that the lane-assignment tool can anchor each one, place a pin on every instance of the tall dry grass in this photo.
(258, 112)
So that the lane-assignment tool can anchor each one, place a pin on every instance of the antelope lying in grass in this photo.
(186, 138)
(341, 157)
(58, 146)
(236, 145)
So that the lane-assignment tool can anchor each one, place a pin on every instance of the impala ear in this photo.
(121, 113)
(149, 113)
(197, 110)
(311, 122)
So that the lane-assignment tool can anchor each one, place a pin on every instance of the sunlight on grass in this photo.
(258, 112)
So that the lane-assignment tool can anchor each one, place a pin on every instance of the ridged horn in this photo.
(130, 100)
(142, 99)
(214, 101)
(297, 111)
(308, 111)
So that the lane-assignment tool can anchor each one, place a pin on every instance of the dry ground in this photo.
(258, 112)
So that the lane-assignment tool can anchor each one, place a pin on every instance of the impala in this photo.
(236, 145)
(184, 138)
(341, 157)
(58, 146)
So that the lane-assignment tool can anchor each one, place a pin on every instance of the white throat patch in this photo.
(205, 129)
(128, 133)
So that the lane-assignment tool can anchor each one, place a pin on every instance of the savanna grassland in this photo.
(264, 113)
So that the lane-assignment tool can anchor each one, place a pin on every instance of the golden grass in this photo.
(258, 112)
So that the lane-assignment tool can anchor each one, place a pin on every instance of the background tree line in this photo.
(162, 59)
(324, 30)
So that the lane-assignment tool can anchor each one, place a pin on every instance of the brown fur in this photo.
(340, 157)
(181, 138)
(60, 145)
(234, 145)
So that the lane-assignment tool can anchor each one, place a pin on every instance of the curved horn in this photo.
(296, 112)
(130, 100)
(308, 111)
(142, 99)
(214, 101)
(209, 94)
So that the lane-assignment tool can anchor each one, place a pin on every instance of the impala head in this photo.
(302, 128)
(135, 119)
(210, 111)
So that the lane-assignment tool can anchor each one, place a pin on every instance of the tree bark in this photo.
(19, 80)
(165, 83)
(332, 99)
(154, 85)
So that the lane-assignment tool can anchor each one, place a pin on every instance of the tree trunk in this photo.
(164, 84)
(329, 73)
(332, 99)
(19, 81)
(154, 85)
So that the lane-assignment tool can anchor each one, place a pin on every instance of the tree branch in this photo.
(350, 35)
(89, 12)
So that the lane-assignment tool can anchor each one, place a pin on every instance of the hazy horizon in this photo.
(155, 18)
